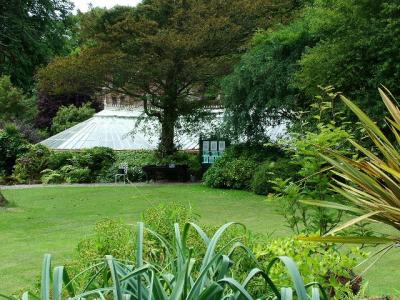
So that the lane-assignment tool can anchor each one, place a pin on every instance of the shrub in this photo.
(109, 236)
(230, 173)
(239, 173)
(97, 160)
(262, 181)
(51, 177)
(315, 180)
(59, 159)
(74, 166)
(12, 146)
(135, 160)
(115, 237)
(256, 152)
(118, 239)
(324, 263)
(72, 174)
(68, 116)
(330, 131)
(66, 166)
(236, 168)
(100, 158)
(29, 166)
(161, 218)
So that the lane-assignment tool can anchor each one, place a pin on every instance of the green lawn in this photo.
(53, 220)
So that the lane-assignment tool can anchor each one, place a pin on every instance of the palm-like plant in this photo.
(178, 279)
(370, 184)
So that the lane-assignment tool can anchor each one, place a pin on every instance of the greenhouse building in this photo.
(126, 127)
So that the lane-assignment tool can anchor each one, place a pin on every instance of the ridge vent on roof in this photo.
(122, 106)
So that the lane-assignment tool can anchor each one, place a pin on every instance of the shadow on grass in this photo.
(4, 203)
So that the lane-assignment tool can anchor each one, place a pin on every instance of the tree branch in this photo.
(148, 112)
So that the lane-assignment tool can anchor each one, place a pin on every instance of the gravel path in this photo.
(29, 186)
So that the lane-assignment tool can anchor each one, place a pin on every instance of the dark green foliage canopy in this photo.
(358, 50)
(260, 91)
(31, 32)
(14, 105)
(12, 145)
(352, 45)
(18, 109)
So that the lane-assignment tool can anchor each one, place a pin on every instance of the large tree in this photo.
(349, 44)
(31, 33)
(168, 54)
(260, 91)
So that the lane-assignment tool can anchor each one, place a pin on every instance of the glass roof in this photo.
(128, 129)
(119, 129)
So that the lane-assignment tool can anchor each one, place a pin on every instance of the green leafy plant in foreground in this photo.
(178, 279)
(331, 266)
(370, 184)
(314, 181)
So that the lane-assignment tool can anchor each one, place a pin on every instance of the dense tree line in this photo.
(351, 45)
(31, 34)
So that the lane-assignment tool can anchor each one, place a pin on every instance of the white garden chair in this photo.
(122, 173)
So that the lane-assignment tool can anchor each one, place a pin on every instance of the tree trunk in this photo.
(3, 200)
(167, 145)
(168, 119)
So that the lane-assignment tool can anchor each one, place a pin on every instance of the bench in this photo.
(169, 172)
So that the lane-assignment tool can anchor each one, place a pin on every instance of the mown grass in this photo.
(53, 220)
